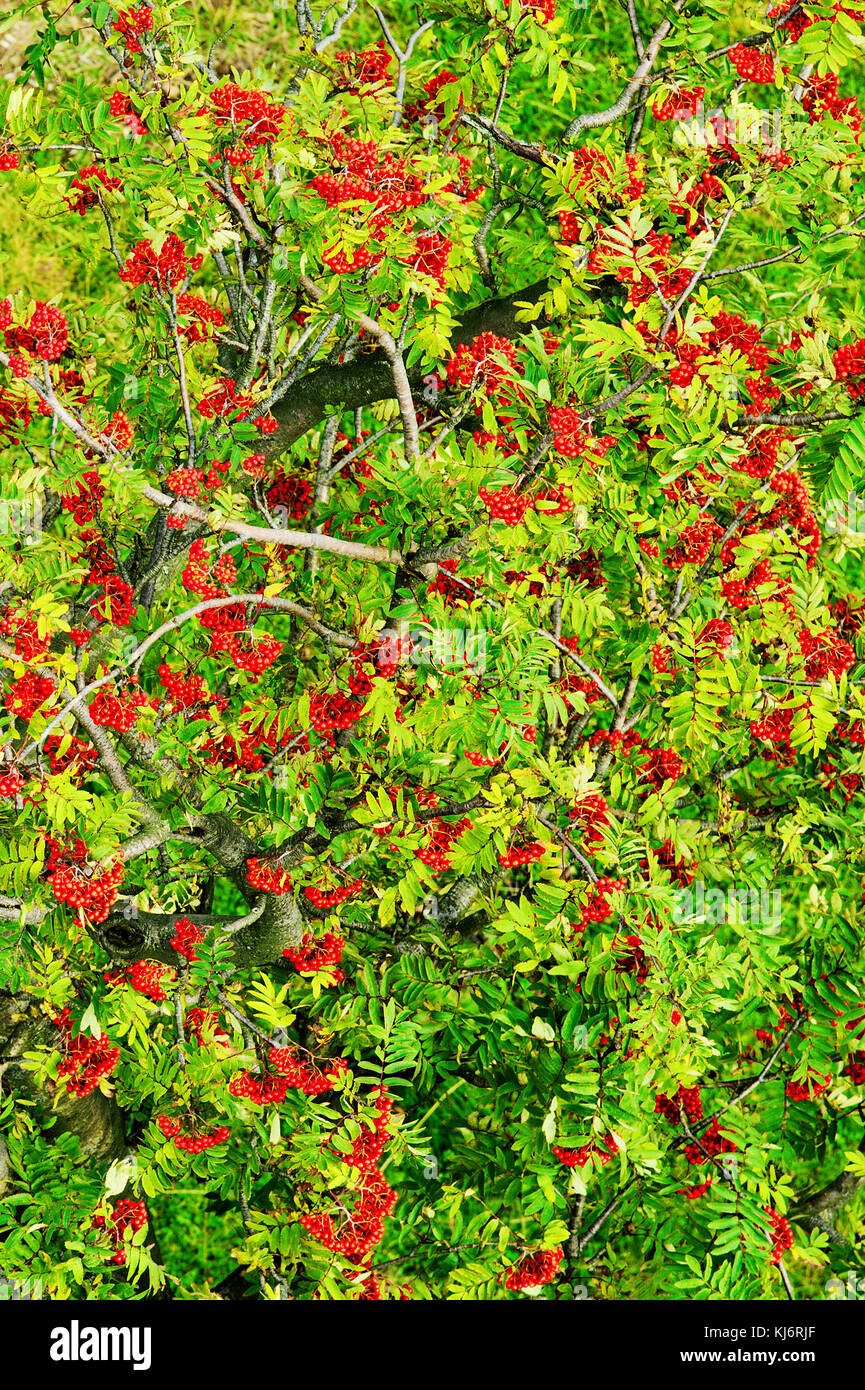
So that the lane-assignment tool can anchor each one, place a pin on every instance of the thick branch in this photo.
(371, 377)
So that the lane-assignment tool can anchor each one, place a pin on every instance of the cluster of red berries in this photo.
(116, 604)
(442, 836)
(335, 896)
(733, 332)
(132, 24)
(145, 976)
(87, 195)
(9, 159)
(522, 854)
(591, 814)
(248, 655)
(24, 628)
(341, 264)
(540, 1267)
(190, 482)
(487, 362)
(195, 576)
(254, 119)
(760, 458)
(45, 336)
(645, 267)
(60, 852)
(728, 331)
(186, 691)
(367, 68)
(164, 269)
(49, 332)
(797, 22)
(624, 740)
(717, 633)
(461, 186)
(91, 891)
(118, 712)
(663, 765)
(205, 314)
(267, 876)
(129, 1215)
(679, 104)
(595, 179)
(597, 906)
(845, 731)
(763, 392)
(313, 955)
(423, 110)
(744, 593)
(290, 1071)
(781, 1234)
(86, 1059)
(11, 782)
(121, 109)
(97, 556)
(186, 937)
(751, 64)
(543, 11)
(303, 1076)
(267, 1089)
(821, 99)
(430, 256)
(694, 544)
(855, 1068)
(649, 547)
(698, 1190)
(86, 501)
(586, 569)
(363, 174)
(224, 399)
(292, 494)
(256, 466)
(775, 727)
(599, 1151)
(196, 1141)
(368, 1147)
(572, 438)
(551, 501)
(247, 750)
(455, 592)
(826, 652)
(480, 760)
(359, 1229)
(30, 644)
(330, 712)
(711, 1143)
(685, 1102)
(505, 505)
(794, 507)
(810, 1089)
(660, 658)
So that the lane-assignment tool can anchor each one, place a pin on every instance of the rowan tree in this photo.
(432, 712)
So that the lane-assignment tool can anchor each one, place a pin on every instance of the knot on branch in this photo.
(223, 839)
